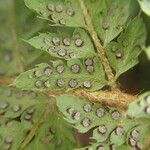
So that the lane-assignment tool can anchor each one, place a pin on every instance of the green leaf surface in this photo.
(16, 24)
(11, 135)
(62, 75)
(13, 123)
(16, 122)
(64, 44)
(121, 139)
(51, 135)
(95, 146)
(111, 127)
(75, 112)
(58, 12)
(145, 6)
(147, 50)
(123, 147)
(69, 61)
(140, 108)
(14, 102)
(110, 17)
(106, 146)
(124, 53)
(102, 13)
(101, 137)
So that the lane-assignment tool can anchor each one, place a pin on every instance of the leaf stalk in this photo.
(99, 47)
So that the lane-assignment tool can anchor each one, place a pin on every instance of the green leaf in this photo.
(14, 103)
(123, 147)
(65, 44)
(107, 146)
(147, 50)
(58, 12)
(50, 135)
(62, 75)
(110, 17)
(73, 109)
(15, 24)
(84, 116)
(15, 125)
(95, 146)
(140, 134)
(140, 108)
(111, 127)
(124, 53)
(101, 137)
(145, 6)
(11, 135)
(121, 139)
(102, 12)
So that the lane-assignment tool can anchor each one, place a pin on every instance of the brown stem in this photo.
(100, 49)
(115, 99)
(6, 81)
(147, 144)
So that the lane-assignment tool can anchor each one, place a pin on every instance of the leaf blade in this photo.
(145, 6)
(63, 75)
(123, 54)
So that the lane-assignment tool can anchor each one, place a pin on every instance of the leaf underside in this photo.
(70, 42)
(70, 60)
(111, 128)
(62, 75)
(145, 6)
(20, 112)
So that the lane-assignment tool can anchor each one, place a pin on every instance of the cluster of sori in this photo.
(99, 112)
(87, 121)
(19, 111)
(60, 44)
(141, 108)
(111, 128)
(117, 52)
(101, 147)
(51, 132)
(134, 136)
(56, 10)
(13, 110)
(134, 140)
(145, 105)
(74, 70)
(118, 49)
(8, 142)
(17, 108)
(29, 114)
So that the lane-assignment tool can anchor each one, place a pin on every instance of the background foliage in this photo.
(55, 52)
